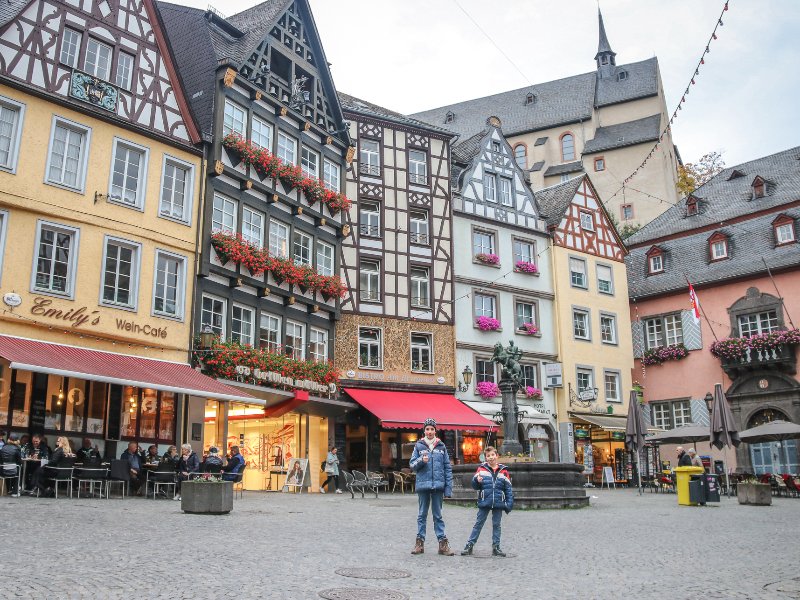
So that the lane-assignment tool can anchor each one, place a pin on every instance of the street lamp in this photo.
(467, 375)
(207, 337)
(709, 401)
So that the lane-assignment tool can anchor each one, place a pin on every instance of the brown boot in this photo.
(419, 546)
(444, 548)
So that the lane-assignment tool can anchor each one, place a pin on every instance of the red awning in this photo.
(408, 410)
(110, 367)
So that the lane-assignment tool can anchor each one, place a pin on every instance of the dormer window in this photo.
(718, 247)
(759, 188)
(655, 260)
(783, 227)
(735, 174)
(530, 98)
(449, 117)
(691, 206)
(495, 146)
(622, 75)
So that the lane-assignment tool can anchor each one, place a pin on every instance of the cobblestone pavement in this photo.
(289, 546)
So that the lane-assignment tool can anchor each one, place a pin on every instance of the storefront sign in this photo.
(618, 436)
(553, 377)
(540, 407)
(11, 299)
(581, 433)
(390, 377)
(146, 329)
(278, 379)
(42, 307)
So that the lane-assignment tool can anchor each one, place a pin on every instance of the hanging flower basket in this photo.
(487, 323)
(657, 356)
(487, 389)
(229, 247)
(488, 259)
(309, 279)
(529, 329)
(533, 393)
(256, 261)
(522, 266)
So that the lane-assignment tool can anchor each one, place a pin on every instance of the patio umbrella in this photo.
(724, 432)
(688, 434)
(774, 431)
(634, 432)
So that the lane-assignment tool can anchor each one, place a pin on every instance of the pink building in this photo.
(736, 239)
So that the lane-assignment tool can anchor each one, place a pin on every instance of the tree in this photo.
(692, 175)
(624, 231)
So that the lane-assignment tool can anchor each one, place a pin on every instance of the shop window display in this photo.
(148, 415)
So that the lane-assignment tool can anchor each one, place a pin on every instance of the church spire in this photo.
(605, 56)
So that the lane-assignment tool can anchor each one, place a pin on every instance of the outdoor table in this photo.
(25, 462)
(279, 472)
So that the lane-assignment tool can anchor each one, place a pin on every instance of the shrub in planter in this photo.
(488, 389)
(487, 323)
(488, 259)
(523, 266)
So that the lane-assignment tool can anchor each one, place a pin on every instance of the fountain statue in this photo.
(510, 382)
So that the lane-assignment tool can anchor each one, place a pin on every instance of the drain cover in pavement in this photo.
(369, 573)
(361, 594)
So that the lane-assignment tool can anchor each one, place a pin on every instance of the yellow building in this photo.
(100, 175)
(594, 333)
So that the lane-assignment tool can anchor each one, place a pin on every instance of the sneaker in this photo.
(322, 490)
(338, 491)
(15, 495)
(467, 550)
(177, 497)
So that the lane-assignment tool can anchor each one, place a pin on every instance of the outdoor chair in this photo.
(377, 481)
(238, 483)
(10, 476)
(369, 483)
(351, 485)
(398, 479)
(215, 469)
(163, 476)
(410, 477)
(60, 474)
(780, 485)
(120, 474)
(92, 473)
(791, 486)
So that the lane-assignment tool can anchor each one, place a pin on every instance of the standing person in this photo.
(684, 460)
(234, 466)
(696, 460)
(434, 482)
(495, 495)
(331, 470)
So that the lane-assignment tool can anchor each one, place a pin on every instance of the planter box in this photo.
(207, 498)
(756, 494)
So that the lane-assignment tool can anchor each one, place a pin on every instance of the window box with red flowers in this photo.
(763, 344)
(523, 266)
(488, 259)
(529, 329)
(487, 323)
(657, 356)
(487, 389)
(229, 247)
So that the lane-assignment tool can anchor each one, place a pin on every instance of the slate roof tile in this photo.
(359, 106)
(639, 131)
(554, 200)
(573, 167)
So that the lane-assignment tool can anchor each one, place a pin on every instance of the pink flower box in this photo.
(488, 389)
(529, 328)
(533, 393)
(523, 266)
(487, 324)
(488, 259)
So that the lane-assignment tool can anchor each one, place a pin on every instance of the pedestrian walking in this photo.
(495, 495)
(684, 460)
(696, 460)
(332, 471)
(434, 482)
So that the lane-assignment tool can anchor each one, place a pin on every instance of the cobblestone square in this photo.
(290, 546)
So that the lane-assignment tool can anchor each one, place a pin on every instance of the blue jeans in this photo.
(497, 515)
(432, 499)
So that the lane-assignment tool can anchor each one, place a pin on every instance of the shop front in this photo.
(536, 430)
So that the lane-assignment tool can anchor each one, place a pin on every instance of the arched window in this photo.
(521, 155)
(567, 147)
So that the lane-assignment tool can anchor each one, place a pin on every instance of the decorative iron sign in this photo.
(94, 91)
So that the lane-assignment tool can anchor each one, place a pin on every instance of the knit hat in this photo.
(431, 422)
(213, 450)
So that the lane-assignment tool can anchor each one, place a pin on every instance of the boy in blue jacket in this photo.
(495, 494)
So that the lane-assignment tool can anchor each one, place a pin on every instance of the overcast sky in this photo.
(412, 55)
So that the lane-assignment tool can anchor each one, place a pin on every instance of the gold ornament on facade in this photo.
(314, 308)
(307, 126)
(230, 77)
(323, 221)
(219, 168)
(345, 230)
(284, 111)
(351, 153)
(290, 300)
(329, 140)
(299, 210)
(263, 292)
(246, 185)
(274, 197)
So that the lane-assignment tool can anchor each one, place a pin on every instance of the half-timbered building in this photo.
(503, 284)
(261, 89)
(594, 340)
(99, 211)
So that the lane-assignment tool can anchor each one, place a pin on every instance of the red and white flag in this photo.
(694, 302)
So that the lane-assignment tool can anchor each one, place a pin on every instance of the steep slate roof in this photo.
(624, 134)
(10, 9)
(363, 107)
(554, 200)
(723, 200)
(567, 100)
(573, 167)
(465, 151)
(603, 45)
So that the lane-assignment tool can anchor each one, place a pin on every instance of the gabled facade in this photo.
(99, 213)
(594, 341)
(272, 222)
(503, 281)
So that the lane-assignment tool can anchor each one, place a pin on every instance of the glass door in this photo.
(775, 457)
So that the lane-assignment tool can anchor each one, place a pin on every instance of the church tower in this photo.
(605, 56)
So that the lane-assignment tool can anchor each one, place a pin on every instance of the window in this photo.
(484, 371)
(719, 249)
(691, 206)
(585, 380)
(495, 146)
(482, 242)
(599, 164)
(301, 248)
(309, 161)
(611, 381)
(525, 312)
(331, 175)
(529, 377)
(759, 188)
(324, 259)
(369, 158)
(417, 167)
(252, 227)
(622, 76)
(757, 323)
(666, 330)
(269, 333)
(212, 314)
(449, 117)
(287, 148)
(587, 221)
(565, 177)
(369, 219)
(421, 349)
(120, 273)
(223, 215)
(369, 348)
(176, 190)
(784, 230)
(242, 325)
(70, 47)
(261, 133)
(524, 251)
(124, 70)
(682, 413)
(128, 174)
(370, 281)
(521, 155)
(567, 147)
(506, 198)
(278, 239)
(577, 273)
(485, 305)
(10, 119)
(608, 329)
(418, 227)
(655, 264)
(98, 59)
(295, 346)
(605, 281)
(530, 98)
(580, 324)
(169, 285)
(662, 416)
(490, 187)
(420, 287)
(668, 415)
(66, 163)
(318, 345)
(234, 119)
(627, 212)
(55, 259)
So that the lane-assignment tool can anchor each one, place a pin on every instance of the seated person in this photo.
(235, 465)
(188, 463)
(213, 462)
(46, 473)
(133, 455)
(87, 453)
(36, 450)
(171, 457)
(152, 457)
(10, 455)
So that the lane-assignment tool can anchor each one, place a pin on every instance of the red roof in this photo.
(409, 410)
(110, 367)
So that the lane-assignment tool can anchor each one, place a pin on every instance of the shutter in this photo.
(700, 414)
(692, 336)
(637, 333)
(647, 416)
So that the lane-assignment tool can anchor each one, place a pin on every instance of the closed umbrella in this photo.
(634, 432)
(774, 431)
(724, 432)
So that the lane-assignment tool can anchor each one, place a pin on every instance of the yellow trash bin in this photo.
(682, 477)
